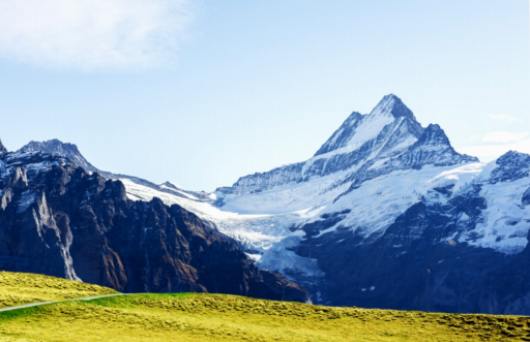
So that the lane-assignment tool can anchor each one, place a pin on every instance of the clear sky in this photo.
(202, 92)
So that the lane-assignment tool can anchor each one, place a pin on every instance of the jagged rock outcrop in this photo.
(511, 166)
(526, 197)
(59, 148)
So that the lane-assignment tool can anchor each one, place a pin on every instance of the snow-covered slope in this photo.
(374, 167)
(505, 221)
(364, 147)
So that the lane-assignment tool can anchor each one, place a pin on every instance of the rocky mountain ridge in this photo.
(58, 219)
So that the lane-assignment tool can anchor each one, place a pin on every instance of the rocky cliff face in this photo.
(57, 219)
(526, 198)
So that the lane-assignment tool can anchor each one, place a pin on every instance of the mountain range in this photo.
(385, 214)
(60, 217)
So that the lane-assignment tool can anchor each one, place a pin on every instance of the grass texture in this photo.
(22, 288)
(213, 317)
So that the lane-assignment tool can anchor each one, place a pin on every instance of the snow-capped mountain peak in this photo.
(342, 136)
(510, 167)
(433, 148)
(386, 140)
(359, 129)
(393, 105)
(59, 148)
(434, 135)
(169, 185)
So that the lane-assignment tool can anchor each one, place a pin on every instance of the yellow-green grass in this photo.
(206, 317)
(23, 288)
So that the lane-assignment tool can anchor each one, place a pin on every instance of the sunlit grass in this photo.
(22, 288)
(205, 317)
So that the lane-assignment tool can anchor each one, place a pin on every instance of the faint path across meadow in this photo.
(83, 299)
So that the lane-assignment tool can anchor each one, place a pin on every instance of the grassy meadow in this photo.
(22, 288)
(211, 317)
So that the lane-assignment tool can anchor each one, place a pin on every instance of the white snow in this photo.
(176, 190)
(459, 177)
(289, 198)
(369, 128)
(258, 231)
(263, 221)
(378, 202)
(506, 221)
(137, 191)
(280, 258)
(267, 234)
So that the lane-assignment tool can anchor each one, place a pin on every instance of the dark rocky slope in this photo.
(57, 219)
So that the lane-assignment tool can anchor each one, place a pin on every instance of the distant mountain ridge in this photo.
(385, 214)
(55, 147)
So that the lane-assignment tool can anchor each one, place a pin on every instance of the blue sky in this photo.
(202, 92)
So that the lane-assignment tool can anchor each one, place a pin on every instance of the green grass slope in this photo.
(22, 288)
(206, 317)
